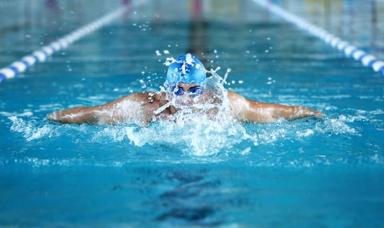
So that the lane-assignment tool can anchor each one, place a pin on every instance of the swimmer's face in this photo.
(185, 93)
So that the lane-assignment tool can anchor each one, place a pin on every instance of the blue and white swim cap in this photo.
(187, 69)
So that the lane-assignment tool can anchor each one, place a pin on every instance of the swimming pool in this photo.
(300, 173)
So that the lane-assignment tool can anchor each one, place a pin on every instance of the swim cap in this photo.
(186, 68)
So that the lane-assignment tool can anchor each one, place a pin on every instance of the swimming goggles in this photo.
(192, 91)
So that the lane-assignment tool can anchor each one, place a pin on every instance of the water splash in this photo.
(29, 129)
(200, 139)
(192, 130)
(197, 134)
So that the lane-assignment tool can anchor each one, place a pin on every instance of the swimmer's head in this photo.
(186, 69)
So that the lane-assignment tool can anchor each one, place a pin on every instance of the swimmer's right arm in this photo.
(108, 113)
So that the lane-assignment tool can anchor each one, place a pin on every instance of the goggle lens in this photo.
(178, 91)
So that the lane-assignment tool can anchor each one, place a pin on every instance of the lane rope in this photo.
(44, 52)
(348, 49)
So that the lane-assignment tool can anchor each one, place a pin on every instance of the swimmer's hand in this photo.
(315, 113)
(302, 112)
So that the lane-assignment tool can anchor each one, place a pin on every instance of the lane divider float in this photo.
(348, 49)
(43, 53)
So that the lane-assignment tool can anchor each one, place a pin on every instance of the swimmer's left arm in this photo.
(248, 110)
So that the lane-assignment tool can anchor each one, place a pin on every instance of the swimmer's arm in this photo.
(248, 110)
(108, 113)
(76, 115)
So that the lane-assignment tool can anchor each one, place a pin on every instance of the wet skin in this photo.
(142, 108)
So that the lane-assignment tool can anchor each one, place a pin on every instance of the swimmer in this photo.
(185, 86)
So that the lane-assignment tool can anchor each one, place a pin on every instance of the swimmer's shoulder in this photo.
(238, 102)
(235, 97)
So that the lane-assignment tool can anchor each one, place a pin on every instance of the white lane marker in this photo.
(348, 49)
(43, 53)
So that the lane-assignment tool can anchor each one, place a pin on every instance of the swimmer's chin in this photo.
(184, 100)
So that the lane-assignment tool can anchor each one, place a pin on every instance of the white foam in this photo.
(304, 133)
(29, 130)
(336, 126)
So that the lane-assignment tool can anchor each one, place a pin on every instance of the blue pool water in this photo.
(302, 173)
